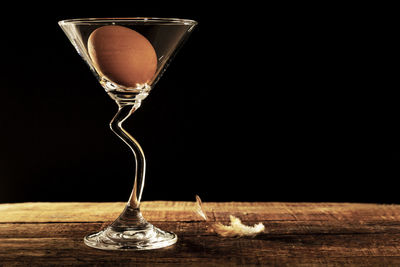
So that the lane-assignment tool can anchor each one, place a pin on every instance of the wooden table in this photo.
(301, 234)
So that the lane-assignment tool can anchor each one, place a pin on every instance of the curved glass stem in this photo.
(123, 113)
(130, 231)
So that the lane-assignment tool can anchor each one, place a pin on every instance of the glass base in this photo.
(130, 240)
(130, 232)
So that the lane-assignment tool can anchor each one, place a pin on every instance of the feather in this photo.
(235, 229)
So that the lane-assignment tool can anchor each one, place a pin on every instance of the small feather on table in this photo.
(235, 229)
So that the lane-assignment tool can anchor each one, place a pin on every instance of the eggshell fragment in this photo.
(122, 55)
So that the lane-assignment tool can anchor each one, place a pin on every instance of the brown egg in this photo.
(123, 55)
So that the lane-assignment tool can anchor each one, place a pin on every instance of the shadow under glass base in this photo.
(130, 232)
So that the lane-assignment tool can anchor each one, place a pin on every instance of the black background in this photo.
(263, 103)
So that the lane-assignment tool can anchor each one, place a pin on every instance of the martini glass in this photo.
(128, 56)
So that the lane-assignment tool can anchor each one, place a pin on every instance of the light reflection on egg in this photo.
(122, 55)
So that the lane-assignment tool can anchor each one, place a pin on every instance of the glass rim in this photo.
(144, 20)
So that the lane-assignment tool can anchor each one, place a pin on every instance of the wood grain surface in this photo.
(297, 234)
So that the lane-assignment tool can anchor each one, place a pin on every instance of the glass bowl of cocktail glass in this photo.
(128, 56)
